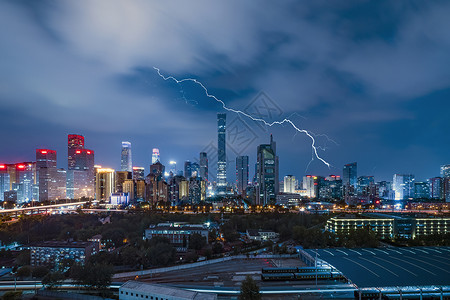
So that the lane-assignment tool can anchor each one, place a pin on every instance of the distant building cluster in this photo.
(192, 184)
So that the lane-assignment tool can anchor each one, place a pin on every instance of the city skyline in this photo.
(339, 84)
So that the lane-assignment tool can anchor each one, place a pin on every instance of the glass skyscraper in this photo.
(242, 174)
(403, 186)
(204, 166)
(155, 155)
(350, 175)
(222, 155)
(125, 159)
(267, 173)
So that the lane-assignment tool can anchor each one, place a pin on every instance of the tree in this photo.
(24, 271)
(249, 289)
(197, 241)
(40, 272)
(52, 279)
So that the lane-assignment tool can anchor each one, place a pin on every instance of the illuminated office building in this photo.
(403, 186)
(267, 173)
(104, 184)
(125, 159)
(47, 173)
(155, 156)
(4, 181)
(222, 155)
(138, 173)
(75, 142)
(290, 184)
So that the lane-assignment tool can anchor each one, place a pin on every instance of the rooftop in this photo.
(165, 290)
(392, 266)
(61, 244)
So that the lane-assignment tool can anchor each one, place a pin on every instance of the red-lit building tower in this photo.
(47, 173)
(75, 142)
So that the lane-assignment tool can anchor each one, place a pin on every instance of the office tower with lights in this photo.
(403, 186)
(350, 175)
(125, 158)
(203, 166)
(173, 167)
(138, 173)
(195, 169)
(24, 181)
(187, 169)
(421, 190)
(267, 173)
(436, 188)
(290, 184)
(104, 184)
(155, 156)
(222, 155)
(242, 174)
(75, 142)
(46, 169)
(4, 180)
(445, 174)
(120, 177)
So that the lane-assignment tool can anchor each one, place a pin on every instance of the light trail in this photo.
(239, 112)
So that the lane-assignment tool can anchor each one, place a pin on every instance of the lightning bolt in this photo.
(239, 112)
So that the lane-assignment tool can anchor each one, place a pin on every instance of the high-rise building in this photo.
(173, 167)
(157, 169)
(222, 155)
(81, 173)
(75, 142)
(403, 186)
(138, 173)
(311, 186)
(120, 177)
(267, 173)
(350, 175)
(421, 190)
(242, 174)
(126, 163)
(4, 181)
(60, 183)
(290, 184)
(187, 169)
(203, 166)
(46, 168)
(104, 184)
(155, 155)
(195, 169)
(436, 187)
(445, 174)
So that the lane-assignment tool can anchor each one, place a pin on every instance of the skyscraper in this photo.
(204, 166)
(436, 188)
(350, 175)
(290, 184)
(403, 186)
(222, 155)
(75, 142)
(187, 169)
(46, 168)
(242, 174)
(267, 173)
(125, 159)
(155, 155)
(104, 184)
(195, 169)
(138, 173)
(4, 181)
(445, 174)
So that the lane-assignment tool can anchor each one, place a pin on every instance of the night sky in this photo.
(373, 76)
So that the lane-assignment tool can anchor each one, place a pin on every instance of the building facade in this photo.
(242, 174)
(126, 162)
(221, 154)
(267, 173)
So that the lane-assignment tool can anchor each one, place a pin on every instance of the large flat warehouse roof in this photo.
(392, 266)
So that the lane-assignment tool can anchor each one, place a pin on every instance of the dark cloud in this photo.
(373, 75)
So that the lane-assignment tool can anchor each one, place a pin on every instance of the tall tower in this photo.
(350, 175)
(204, 166)
(268, 184)
(75, 142)
(403, 186)
(222, 155)
(125, 159)
(242, 174)
(46, 168)
(155, 156)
